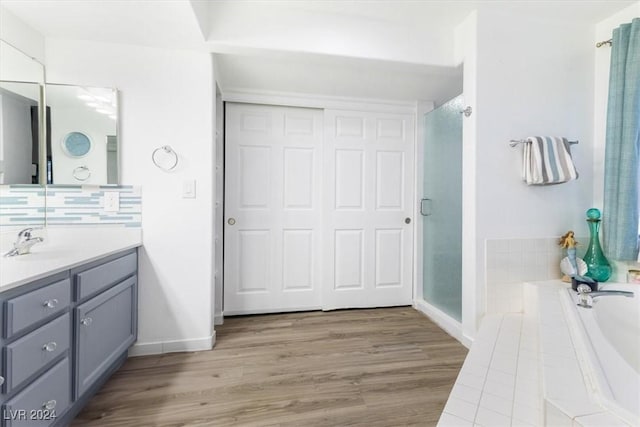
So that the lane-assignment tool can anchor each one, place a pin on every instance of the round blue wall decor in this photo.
(76, 144)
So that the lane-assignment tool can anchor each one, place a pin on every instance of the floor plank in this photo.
(373, 367)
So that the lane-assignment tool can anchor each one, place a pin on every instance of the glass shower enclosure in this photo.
(441, 208)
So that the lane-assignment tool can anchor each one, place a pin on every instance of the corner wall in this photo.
(527, 76)
(14, 31)
(166, 98)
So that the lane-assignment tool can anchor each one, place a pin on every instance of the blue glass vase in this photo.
(598, 268)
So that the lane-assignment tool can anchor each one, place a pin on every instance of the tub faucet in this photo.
(586, 296)
(23, 244)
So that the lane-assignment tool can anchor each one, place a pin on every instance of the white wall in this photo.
(17, 66)
(19, 34)
(523, 76)
(466, 53)
(166, 97)
(604, 30)
(329, 29)
(96, 126)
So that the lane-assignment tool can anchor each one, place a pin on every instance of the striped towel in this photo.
(547, 160)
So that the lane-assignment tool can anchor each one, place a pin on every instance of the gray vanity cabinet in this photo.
(62, 338)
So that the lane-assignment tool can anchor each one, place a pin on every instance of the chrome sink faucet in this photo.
(586, 296)
(23, 244)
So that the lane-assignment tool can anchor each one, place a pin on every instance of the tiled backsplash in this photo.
(511, 262)
(23, 205)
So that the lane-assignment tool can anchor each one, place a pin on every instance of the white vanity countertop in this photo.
(63, 248)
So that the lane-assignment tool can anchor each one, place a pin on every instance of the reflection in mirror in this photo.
(19, 133)
(21, 78)
(84, 140)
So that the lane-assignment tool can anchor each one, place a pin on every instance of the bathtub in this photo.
(607, 339)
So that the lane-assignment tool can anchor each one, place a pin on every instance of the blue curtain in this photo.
(622, 155)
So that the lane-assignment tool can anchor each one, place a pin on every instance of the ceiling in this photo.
(383, 49)
(159, 23)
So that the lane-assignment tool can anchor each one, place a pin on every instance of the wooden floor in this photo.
(381, 367)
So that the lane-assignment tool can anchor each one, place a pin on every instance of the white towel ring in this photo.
(82, 173)
(171, 158)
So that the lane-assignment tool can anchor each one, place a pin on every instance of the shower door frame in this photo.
(443, 320)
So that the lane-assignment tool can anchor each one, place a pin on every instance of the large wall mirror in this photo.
(21, 140)
(84, 135)
(73, 140)
(21, 80)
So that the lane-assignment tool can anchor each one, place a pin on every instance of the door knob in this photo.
(50, 346)
(49, 404)
(51, 303)
(407, 220)
(231, 221)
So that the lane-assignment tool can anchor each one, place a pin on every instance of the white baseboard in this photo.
(269, 311)
(445, 322)
(218, 319)
(198, 344)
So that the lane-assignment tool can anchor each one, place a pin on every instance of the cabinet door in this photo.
(105, 328)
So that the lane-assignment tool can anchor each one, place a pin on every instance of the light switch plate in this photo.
(111, 201)
(189, 189)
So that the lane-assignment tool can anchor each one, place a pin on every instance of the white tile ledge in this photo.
(569, 398)
(498, 382)
(522, 370)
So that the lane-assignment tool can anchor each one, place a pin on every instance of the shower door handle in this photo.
(425, 207)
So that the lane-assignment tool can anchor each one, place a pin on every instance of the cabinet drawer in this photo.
(35, 350)
(30, 308)
(105, 328)
(94, 280)
(42, 401)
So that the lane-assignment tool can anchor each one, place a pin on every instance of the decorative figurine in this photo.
(572, 267)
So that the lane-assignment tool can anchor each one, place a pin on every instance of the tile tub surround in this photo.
(526, 360)
(511, 262)
(23, 206)
(63, 248)
(571, 395)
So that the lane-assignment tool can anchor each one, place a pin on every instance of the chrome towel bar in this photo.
(515, 142)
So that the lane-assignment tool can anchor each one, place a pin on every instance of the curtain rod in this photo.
(604, 42)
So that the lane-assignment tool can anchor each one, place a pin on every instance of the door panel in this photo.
(368, 175)
(317, 223)
(273, 214)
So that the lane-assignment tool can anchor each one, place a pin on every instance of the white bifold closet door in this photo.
(273, 209)
(318, 210)
(368, 210)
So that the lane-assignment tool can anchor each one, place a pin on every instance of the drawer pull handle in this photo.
(49, 404)
(1, 380)
(50, 346)
(86, 321)
(51, 303)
